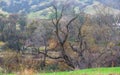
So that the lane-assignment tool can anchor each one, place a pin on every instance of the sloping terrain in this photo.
(40, 8)
(97, 71)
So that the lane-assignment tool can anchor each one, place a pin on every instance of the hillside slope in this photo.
(96, 71)
(40, 8)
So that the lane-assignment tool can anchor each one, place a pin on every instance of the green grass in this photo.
(96, 71)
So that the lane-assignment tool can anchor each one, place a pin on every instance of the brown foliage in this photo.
(63, 66)
(14, 62)
(53, 43)
(50, 62)
(69, 51)
(27, 72)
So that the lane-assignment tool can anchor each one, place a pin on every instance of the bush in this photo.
(16, 62)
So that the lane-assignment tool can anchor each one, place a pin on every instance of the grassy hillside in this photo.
(43, 14)
(99, 71)
(92, 10)
(95, 71)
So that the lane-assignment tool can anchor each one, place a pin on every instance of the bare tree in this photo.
(81, 55)
(75, 60)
